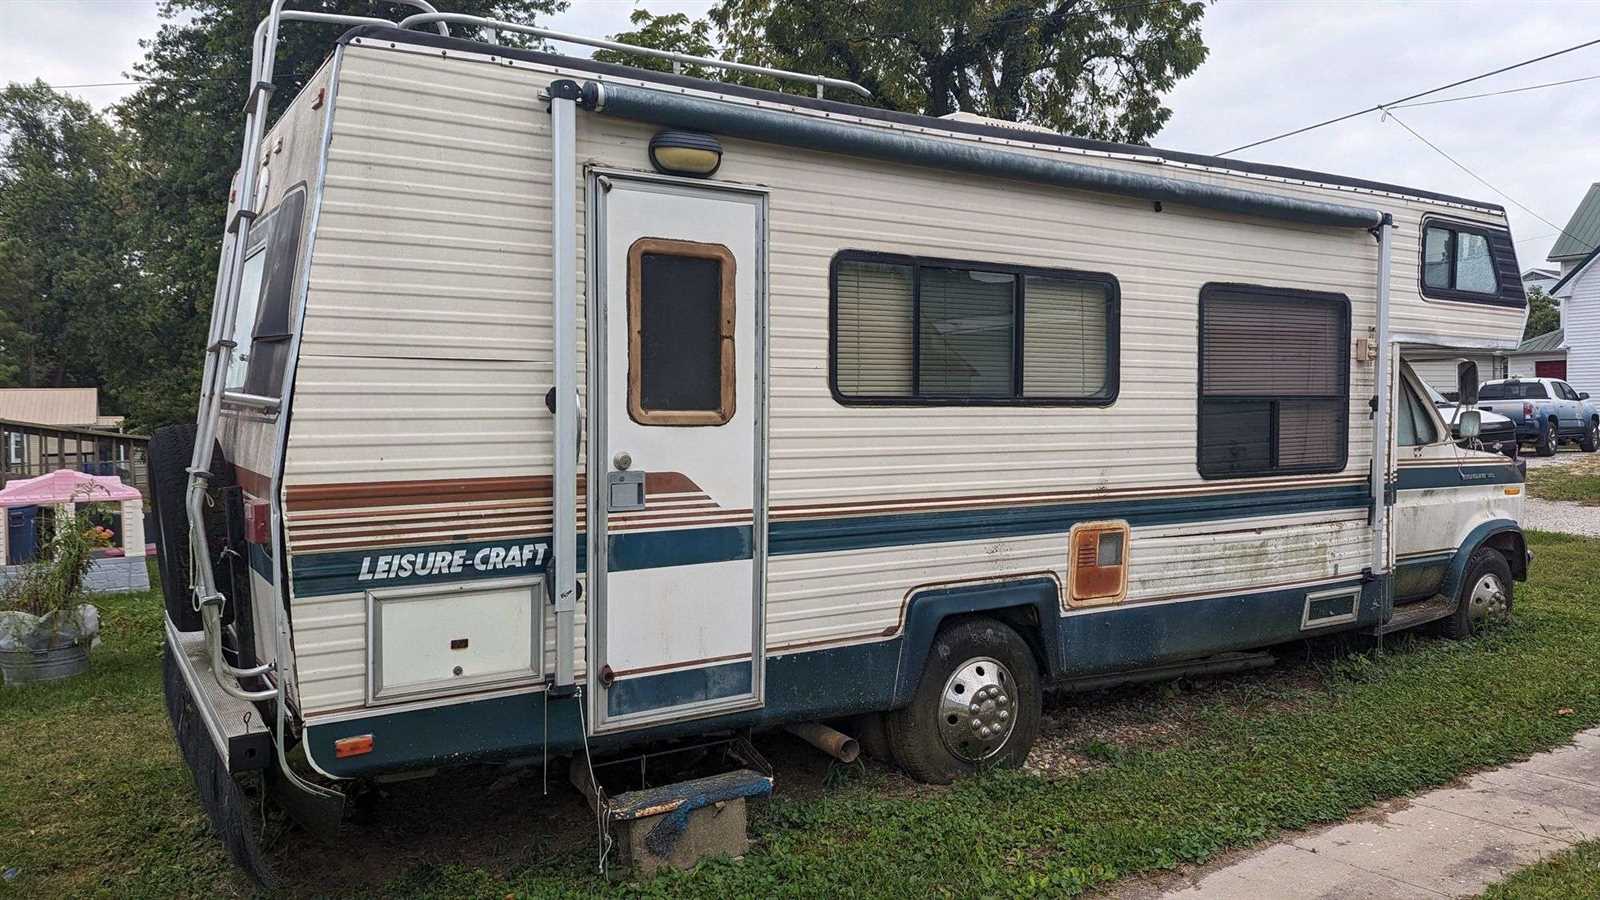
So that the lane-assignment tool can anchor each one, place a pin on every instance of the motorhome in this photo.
(555, 407)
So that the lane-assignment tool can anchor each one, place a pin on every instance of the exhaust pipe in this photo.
(836, 744)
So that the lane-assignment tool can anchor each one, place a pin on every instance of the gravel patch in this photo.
(1564, 457)
(1562, 515)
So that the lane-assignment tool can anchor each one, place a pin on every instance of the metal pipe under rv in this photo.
(821, 81)
(738, 120)
(1382, 387)
(564, 295)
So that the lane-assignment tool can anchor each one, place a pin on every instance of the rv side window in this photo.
(912, 331)
(680, 333)
(261, 330)
(1413, 424)
(1459, 262)
(1274, 381)
(255, 268)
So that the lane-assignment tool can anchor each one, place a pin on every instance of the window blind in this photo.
(1274, 381)
(934, 332)
(1064, 338)
(873, 329)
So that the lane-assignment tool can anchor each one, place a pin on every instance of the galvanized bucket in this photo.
(27, 666)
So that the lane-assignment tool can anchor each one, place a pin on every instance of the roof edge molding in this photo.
(387, 37)
(830, 136)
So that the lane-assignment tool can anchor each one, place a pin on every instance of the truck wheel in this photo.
(171, 450)
(977, 705)
(1484, 597)
(1546, 443)
(1590, 442)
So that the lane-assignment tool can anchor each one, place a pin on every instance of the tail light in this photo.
(1527, 410)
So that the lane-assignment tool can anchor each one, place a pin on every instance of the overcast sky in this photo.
(1275, 65)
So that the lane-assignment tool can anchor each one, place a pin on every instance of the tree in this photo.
(186, 126)
(1544, 316)
(61, 177)
(1093, 68)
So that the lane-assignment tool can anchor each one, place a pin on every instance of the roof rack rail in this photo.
(677, 59)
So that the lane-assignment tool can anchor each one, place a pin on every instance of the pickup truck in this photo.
(1546, 411)
(1496, 434)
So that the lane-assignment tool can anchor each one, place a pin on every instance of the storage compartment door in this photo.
(436, 641)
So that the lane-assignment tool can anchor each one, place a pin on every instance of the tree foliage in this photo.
(1093, 68)
(62, 177)
(1544, 316)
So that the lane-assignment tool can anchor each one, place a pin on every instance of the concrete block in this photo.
(648, 843)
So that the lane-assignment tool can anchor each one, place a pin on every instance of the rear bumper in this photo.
(237, 732)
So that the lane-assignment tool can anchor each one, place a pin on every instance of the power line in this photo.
(1392, 103)
(1388, 113)
(1518, 90)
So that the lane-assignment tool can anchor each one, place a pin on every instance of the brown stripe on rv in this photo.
(412, 493)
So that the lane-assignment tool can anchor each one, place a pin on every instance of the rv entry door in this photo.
(677, 444)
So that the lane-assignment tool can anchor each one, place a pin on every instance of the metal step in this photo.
(1420, 613)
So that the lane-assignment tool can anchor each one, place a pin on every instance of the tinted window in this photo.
(1274, 381)
(680, 347)
(1413, 424)
(1513, 390)
(1474, 265)
(269, 339)
(1436, 258)
(910, 330)
(967, 327)
(1457, 260)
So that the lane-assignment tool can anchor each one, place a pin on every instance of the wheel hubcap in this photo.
(1488, 602)
(977, 711)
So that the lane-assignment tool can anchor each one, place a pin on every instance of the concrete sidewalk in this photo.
(1452, 842)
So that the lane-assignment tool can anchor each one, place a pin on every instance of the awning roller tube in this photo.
(812, 133)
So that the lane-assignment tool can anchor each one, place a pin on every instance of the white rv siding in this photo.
(1580, 315)
(427, 352)
(1440, 371)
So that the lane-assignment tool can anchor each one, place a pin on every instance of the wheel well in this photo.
(1511, 545)
(1023, 619)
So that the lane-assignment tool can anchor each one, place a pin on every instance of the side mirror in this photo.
(1583, 395)
(1468, 424)
(1467, 382)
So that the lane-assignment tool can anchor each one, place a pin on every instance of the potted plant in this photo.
(46, 627)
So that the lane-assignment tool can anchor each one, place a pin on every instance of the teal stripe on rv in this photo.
(320, 574)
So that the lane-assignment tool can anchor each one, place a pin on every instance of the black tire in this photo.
(921, 735)
(231, 810)
(1545, 444)
(873, 736)
(1590, 442)
(1487, 573)
(171, 450)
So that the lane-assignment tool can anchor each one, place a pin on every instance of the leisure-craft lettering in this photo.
(388, 566)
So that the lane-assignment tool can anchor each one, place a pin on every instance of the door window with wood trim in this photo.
(680, 333)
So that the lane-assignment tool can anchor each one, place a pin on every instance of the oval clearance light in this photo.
(685, 153)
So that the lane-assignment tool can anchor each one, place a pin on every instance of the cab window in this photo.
(1413, 425)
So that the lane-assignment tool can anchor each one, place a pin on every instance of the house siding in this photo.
(1581, 316)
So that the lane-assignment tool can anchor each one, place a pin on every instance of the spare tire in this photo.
(171, 451)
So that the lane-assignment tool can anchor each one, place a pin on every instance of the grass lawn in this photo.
(1574, 873)
(1577, 480)
(93, 798)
